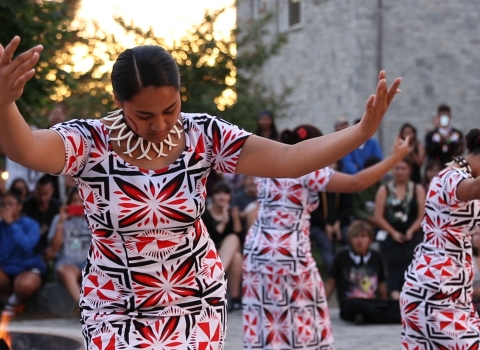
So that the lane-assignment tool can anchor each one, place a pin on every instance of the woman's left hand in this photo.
(401, 147)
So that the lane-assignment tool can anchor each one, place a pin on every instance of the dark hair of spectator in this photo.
(17, 180)
(359, 226)
(406, 126)
(472, 140)
(299, 134)
(408, 161)
(443, 108)
(221, 187)
(14, 194)
(143, 66)
(73, 191)
(370, 161)
(274, 130)
(356, 121)
(44, 180)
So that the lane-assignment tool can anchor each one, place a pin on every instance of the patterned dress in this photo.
(153, 278)
(284, 302)
(436, 300)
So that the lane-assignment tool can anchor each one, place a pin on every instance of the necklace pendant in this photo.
(125, 134)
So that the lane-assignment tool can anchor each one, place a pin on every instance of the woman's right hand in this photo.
(14, 73)
(397, 237)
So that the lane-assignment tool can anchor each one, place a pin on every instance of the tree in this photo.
(50, 23)
(215, 79)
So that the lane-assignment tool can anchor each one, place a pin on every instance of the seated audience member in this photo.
(399, 209)
(42, 207)
(224, 229)
(364, 201)
(69, 239)
(432, 169)
(21, 186)
(358, 274)
(354, 161)
(21, 268)
(329, 221)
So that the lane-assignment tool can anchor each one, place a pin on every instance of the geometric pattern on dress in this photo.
(153, 279)
(284, 303)
(436, 300)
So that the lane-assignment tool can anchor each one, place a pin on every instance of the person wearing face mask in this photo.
(443, 142)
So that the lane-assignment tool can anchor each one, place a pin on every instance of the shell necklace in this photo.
(125, 133)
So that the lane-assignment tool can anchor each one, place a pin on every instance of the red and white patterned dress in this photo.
(153, 278)
(436, 299)
(284, 302)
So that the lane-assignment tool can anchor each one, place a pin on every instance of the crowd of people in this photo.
(152, 211)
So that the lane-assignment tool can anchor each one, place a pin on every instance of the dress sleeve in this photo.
(227, 141)
(450, 185)
(318, 180)
(77, 146)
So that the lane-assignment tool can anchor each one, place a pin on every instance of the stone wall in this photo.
(332, 61)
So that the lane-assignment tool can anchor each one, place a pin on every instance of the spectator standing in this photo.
(354, 161)
(417, 151)
(21, 267)
(399, 207)
(266, 126)
(431, 170)
(21, 186)
(358, 274)
(444, 142)
(42, 207)
(69, 241)
(330, 220)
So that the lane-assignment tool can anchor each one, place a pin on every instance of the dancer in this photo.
(153, 277)
(436, 299)
(284, 302)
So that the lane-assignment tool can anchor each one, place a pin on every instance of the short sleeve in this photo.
(227, 141)
(450, 183)
(77, 146)
(317, 181)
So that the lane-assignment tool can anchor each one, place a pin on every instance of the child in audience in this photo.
(358, 274)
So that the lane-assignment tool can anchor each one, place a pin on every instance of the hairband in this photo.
(302, 133)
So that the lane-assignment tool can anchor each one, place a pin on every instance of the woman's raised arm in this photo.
(265, 158)
(41, 150)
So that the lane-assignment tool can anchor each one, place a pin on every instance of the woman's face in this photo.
(153, 112)
(21, 187)
(221, 199)
(265, 122)
(408, 132)
(401, 172)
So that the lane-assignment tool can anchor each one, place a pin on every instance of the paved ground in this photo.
(347, 336)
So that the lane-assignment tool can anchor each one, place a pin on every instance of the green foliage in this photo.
(215, 79)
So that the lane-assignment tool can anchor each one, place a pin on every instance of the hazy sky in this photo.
(169, 18)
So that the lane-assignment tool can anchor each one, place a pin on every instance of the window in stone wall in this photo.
(290, 14)
(259, 8)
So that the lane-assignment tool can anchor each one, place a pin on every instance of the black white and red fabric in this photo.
(284, 301)
(153, 279)
(436, 300)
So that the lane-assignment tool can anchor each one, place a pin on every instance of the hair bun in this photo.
(289, 137)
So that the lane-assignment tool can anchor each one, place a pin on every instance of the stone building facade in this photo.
(336, 48)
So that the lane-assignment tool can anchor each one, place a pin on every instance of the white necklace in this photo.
(126, 133)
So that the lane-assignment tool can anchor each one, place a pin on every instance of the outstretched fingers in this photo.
(7, 53)
(393, 89)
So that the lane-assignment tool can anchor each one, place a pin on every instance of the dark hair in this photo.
(143, 66)
(274, 131)
(300, 133)
(16, 180)
(73, 191)
(430, 165)
(221, 187)
(13, 193)
(44, 180)
(472, 140)
(443, 108)
(407, 160)
(408, 125)
(370, 161)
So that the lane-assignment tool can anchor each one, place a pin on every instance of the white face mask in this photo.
(444, 120)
